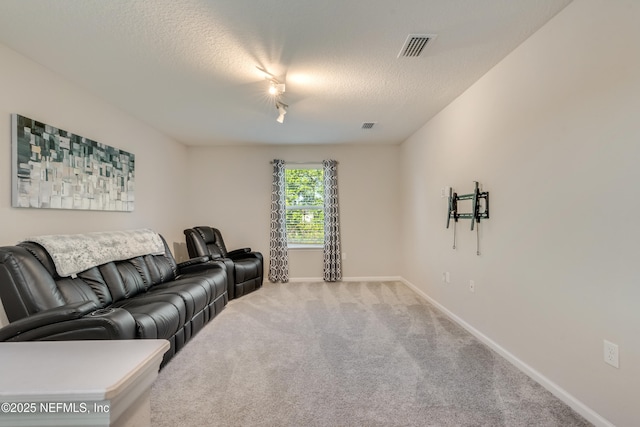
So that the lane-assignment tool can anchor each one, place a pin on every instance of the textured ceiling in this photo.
(188, 67)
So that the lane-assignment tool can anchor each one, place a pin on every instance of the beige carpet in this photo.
(345, 354)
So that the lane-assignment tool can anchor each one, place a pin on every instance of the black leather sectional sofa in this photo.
(148, 296)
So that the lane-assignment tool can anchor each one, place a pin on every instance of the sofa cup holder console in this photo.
(102, 312)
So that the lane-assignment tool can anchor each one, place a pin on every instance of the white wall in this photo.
(231, 189)
(552, 133)
(33, 91)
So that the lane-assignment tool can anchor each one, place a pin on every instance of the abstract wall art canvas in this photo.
(56, 169)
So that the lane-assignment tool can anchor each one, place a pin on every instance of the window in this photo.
(304, 205)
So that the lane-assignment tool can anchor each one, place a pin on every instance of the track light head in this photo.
(282, 110)
(276, 88)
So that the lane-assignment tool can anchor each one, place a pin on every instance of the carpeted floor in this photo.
(345, 354)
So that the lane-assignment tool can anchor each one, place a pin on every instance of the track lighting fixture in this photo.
(276, 89)
(282, 110)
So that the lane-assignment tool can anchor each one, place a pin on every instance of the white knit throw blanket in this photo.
(73, 253)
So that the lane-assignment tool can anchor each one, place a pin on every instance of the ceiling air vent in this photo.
(368, 125)
(415, 44)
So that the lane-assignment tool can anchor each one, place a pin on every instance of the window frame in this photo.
(311, 166)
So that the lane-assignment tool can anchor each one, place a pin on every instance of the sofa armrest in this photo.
(47, 317)
(238, 252)
(193, 261)
(199, 267)
(73, 321)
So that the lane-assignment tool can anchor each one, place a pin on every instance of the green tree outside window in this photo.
(304, 201)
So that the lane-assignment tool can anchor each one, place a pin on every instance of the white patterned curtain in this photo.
(332, 267)
(278, 256)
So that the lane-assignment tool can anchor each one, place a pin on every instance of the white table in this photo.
(78, 383)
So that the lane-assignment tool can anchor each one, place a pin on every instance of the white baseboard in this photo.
(373, 279)
(349, 279)
(588, 413)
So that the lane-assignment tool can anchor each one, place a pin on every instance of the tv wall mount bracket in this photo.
(479, 210)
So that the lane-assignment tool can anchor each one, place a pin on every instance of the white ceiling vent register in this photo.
(414, 45)
(368, 125)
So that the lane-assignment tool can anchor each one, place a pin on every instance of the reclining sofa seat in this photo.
(245, 266)
(148, 296)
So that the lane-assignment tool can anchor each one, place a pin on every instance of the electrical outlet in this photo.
(447, 277)
(344, 256)
(611, 355)
(472, 286)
